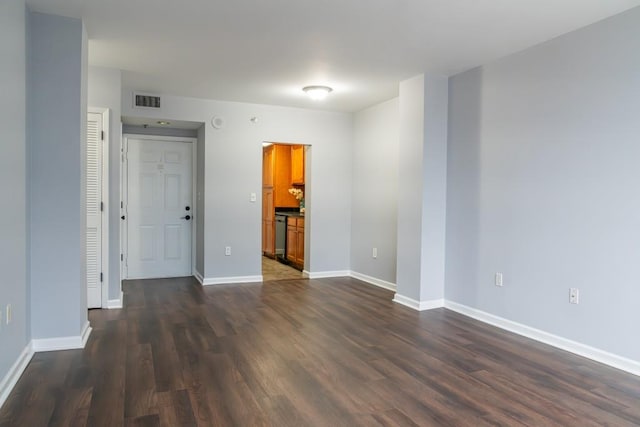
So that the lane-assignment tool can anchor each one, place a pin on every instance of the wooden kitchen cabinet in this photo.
(297, 164)
(276, 173)
(295, 241)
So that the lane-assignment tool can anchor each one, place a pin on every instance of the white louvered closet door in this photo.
(94, 213)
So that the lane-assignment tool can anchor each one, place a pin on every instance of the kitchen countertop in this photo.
(289, 213)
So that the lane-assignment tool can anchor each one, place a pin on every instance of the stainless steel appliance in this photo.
(281, 236)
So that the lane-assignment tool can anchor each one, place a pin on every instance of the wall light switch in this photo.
(9, 314)
(498, 279)
(253, 198)
(374, 253)
(227, 250)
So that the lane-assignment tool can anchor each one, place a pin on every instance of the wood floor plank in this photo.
(299, 352)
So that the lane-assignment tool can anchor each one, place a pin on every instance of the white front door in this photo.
(94, 210)
(159, 208)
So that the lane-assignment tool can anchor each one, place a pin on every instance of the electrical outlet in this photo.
(9, 314)
(374, 253)
(227, 250)
(498, 279)
(574, 296)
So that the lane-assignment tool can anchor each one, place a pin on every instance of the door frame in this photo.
(104, 220)
(124, 179)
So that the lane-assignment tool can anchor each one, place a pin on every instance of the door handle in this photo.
(187, 217)
(122, 217)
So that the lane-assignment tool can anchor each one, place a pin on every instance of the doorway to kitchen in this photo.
(284, 209)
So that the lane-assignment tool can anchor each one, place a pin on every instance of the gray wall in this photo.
(13, 228)
(57, 117)
(422, 163)
(233, 161)
(104, 92)
(200, 192)
(375, 186)
(543, 186)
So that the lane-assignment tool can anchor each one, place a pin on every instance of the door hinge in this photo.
(101, 206)
(101, 277)
(102, 135)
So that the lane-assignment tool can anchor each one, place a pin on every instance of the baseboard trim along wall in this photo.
(229, 280)
(619, 362)
(326, 274)
(418, 305)
(62, 343)
(9, 381)
(116, 303)
(373, 281)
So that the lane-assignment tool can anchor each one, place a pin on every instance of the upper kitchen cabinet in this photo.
(268, 155)
(297, 164)
(276, 174)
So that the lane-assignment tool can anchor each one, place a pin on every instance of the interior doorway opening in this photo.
(285, 210)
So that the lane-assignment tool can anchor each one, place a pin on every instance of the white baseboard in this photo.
(373, 280)
(11, 378)
(228, 280)
(62, 343)
(326, 274)
(418, 305)
(116, 303)
(619, 362)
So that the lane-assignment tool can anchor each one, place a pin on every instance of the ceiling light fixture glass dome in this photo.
(317, 93)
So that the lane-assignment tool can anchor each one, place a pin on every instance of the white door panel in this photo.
(94, 213)
(159, 193)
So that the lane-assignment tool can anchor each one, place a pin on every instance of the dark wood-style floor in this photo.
(330, 352)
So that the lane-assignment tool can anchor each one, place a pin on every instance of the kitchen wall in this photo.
(233, 170)
(13, 188)
(375, 189)
(543, 186)
(56, 111)
(104, 92)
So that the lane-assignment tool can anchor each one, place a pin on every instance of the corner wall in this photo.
(543, 186)
(375, 186)
(15, 336)
(57, 115)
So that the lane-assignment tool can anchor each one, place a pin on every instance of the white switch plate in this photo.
(374, 253)
(9, 314)
(574, 295)
(498, 279)
(253, 197)
(227, 250)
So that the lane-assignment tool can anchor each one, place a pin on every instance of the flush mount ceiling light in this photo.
(317, 93)
(163, 123)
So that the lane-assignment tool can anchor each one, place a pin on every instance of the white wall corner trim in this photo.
(229, 280)
(12, 377)
(373, 281)
(63, 343)
(199, 277)
(326, 274)
(619, 362)
(115, 303)
(418, 305)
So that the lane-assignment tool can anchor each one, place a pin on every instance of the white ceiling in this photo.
(265, 51)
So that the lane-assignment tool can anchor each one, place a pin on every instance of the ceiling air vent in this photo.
(145, 100)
